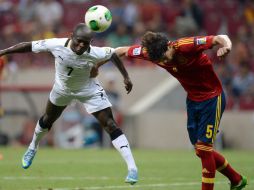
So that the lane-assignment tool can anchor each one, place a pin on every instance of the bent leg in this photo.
(45, 123)
(43, 126)
(205, 152)
(224, 168)
(209, 114)
(119, 141)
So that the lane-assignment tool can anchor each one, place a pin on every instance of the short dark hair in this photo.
(156, 45)
(82, 30)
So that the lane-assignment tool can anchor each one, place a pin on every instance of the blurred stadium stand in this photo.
(20, 21)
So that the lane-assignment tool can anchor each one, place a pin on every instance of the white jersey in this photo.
(72, 70)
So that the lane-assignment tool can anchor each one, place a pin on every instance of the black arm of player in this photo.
(18, 48)
(119, 64)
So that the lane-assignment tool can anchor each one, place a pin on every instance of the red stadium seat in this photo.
(73, 14)
(246, 103)
(212, 23)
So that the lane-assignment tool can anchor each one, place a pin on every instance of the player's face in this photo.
(168, 55)
(80, 44)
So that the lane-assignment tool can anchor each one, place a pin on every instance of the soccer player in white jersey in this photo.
(74, 59)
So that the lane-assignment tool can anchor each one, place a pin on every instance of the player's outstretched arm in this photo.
(18, 48)
(226, 45)
(119, 64)
(121, 51)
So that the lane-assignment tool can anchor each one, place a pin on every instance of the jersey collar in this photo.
(68, 44)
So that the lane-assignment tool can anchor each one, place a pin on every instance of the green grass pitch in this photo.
(103, 169)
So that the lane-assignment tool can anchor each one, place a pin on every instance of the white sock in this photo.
(38, 134)
(122, 145)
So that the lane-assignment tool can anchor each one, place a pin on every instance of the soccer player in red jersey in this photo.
(186, 61)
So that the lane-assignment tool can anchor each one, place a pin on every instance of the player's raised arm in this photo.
(119, 64)
(18, 48)
(95, 69)
(226, 45)
(120, 51)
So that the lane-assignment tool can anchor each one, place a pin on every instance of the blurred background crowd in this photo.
(26, 20)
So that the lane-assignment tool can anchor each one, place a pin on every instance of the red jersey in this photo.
(190, 66)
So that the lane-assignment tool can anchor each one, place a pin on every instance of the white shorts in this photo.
(93, 102)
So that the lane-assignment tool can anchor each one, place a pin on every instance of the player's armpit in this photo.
(94, 72)
(101, 63)
(95, 69)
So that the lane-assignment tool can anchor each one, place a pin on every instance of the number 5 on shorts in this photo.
(209, 131)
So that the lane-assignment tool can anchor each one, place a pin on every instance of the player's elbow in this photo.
(223, 40)
(121, 51)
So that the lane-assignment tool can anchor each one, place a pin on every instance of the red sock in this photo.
(205, 153)
(223, 167)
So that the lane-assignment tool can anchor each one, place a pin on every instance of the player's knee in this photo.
(197, 153)
(203, 149)
(110, 126)
(45, 122)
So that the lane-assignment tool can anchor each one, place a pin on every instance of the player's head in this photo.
(156, 45)
(81, 38)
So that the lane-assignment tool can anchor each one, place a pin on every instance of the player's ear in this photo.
(71, 35)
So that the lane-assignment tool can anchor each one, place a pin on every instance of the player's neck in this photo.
(69, 44)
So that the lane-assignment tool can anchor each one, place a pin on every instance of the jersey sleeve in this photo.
(108, 52)
(43, 45)
(103, 53)
(194, 44)
(136, 51)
